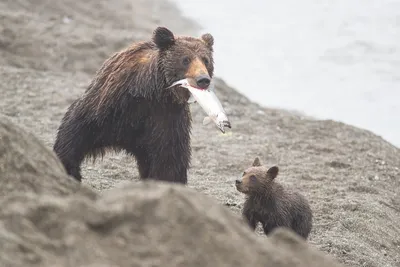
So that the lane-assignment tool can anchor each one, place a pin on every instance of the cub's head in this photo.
(185, 57)
(257, 178)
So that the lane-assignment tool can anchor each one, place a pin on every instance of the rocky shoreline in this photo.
(48, 53)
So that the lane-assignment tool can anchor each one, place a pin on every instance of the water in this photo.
(329, 59)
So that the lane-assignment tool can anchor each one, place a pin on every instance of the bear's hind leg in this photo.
(68, 150)
(73, 142)
(73, 169)
(302, 223)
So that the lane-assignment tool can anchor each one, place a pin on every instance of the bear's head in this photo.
(185, 57)
(257, 178)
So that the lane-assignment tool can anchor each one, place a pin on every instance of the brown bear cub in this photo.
(127, 107)
(271, 204)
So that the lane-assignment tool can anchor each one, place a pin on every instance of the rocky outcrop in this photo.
(26, 165)
(43, 223)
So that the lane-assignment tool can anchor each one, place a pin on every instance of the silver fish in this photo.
(209, 102)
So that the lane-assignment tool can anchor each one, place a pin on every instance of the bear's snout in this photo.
(203, 81)
(237, 182)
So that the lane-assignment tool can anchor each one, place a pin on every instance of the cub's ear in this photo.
(273, 172)
(163, 37)
(256, 162)
(208, 39)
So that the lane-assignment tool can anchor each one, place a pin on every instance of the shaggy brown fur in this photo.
(271, 204)
(126, 107)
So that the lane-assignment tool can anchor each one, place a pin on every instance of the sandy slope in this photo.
(350, 176)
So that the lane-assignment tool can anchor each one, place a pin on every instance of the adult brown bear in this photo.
(126, 107)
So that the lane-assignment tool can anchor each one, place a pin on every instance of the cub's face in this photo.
(256, 178)
(185, 57)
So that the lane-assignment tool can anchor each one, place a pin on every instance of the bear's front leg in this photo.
(169, 156)
(143, 163)
(169, 163)
(166, 143)
(248, 216)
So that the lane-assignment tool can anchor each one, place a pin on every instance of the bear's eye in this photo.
(206, 61)
(253, 178)
(185, 61)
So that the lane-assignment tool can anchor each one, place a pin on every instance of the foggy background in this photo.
(328, 59)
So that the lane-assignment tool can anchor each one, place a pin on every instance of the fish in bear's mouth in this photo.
(209, 103)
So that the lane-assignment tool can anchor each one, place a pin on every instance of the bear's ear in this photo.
(163, 37)
(273, 172)
(256, 162)
(208, 39)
